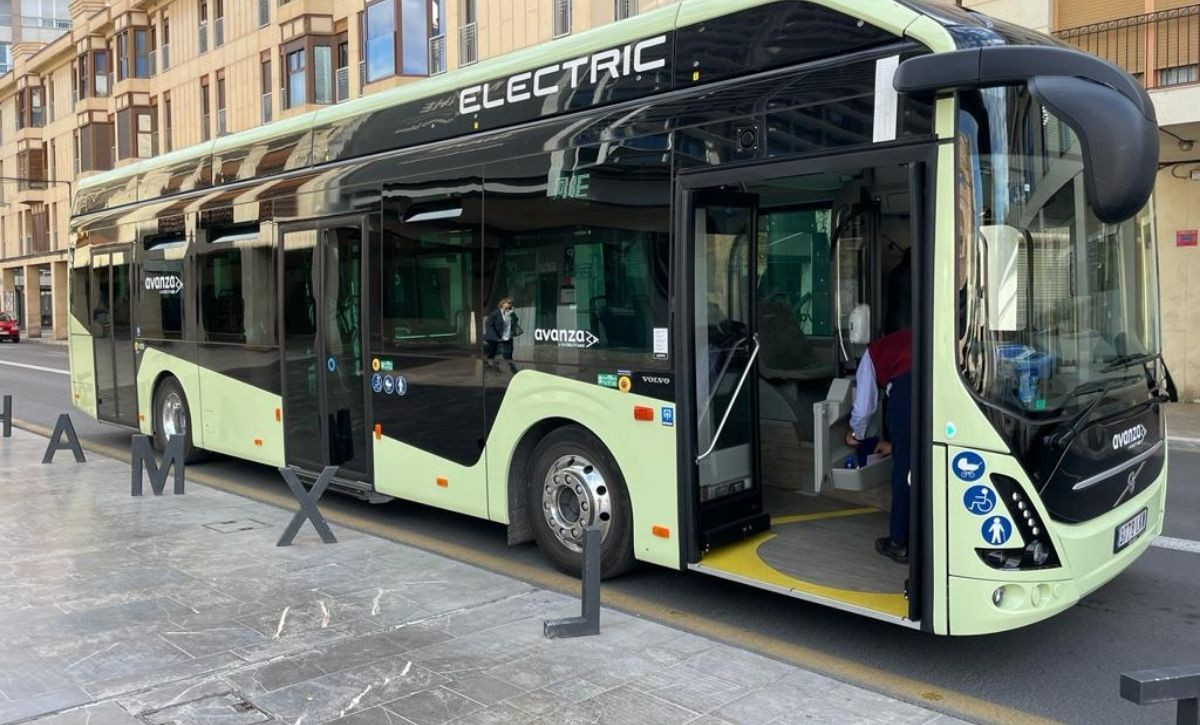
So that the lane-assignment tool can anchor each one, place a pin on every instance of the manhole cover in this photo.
(229, 527)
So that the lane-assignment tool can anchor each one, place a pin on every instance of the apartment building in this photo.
(136, 78)
(1158, 41)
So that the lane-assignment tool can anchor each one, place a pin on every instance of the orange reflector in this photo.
(661, 532)
(641, 412)
(443, 482)
(141, 416)
(278, 415)
(378, 431)
(258, 442)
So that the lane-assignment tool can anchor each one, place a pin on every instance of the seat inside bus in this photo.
(832, 249)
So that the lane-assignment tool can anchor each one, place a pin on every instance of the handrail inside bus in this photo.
(720, 376)
(736, 392)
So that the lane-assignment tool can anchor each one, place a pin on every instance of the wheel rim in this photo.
(575, 496)
(173, 417)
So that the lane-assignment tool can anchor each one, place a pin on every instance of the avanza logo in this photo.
(615, 62)
(165, 284)
(1129, 438)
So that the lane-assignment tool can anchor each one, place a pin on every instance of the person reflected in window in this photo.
(887, 364)
(499, 331)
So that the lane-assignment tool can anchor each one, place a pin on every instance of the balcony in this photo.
(437, 55)
(219, 32)
(1161, 49)
(468, 44)
(222, 128)
(202, 39)
(165, 54)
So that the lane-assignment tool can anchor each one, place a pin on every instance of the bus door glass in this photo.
(323, 396)
(112, 330)
(728, 497)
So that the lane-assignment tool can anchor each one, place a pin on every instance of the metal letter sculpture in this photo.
(589, 622)
(308, 505)
(63, 426)
(142, 457)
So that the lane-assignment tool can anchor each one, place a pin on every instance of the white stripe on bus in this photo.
(1169, 542)
(36, 367)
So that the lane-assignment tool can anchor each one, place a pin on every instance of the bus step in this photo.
(735, 531)
(358, 489)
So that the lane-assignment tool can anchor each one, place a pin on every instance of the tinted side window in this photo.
(237, 292)
(81, 290)
(581, 245)
(429, 271)
(160, 293)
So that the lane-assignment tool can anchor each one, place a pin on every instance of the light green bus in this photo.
(855, 301)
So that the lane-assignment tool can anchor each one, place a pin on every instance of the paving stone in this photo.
(340, 693)
(106, 713)
(172, 694)
(688, 687)
(620, 706)
(51, 701)
(215, 709)
(377, 715)
(210, 640)
(433, 706)
(182, 671)
(501, 714)
(482, 688)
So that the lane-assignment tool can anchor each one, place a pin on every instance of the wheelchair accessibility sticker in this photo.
(979, 500)
(377, 383)
(996, 530)
(968, 466)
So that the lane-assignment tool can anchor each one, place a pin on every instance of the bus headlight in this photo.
(1039, 551)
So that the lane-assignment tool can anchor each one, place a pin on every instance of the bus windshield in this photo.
(1053, 303)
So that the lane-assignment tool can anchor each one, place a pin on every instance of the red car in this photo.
(8, 328)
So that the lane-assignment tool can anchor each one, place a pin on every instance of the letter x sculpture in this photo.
(308, 505)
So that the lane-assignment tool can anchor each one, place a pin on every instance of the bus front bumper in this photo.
(984, 606)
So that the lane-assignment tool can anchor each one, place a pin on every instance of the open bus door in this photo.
(778, 261)
(112, 332)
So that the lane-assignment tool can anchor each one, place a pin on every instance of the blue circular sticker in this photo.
(979, 500)
(401, 385)
(389, 384)
(968, 466)
(331, 363)
(996, 530)
(377, 383)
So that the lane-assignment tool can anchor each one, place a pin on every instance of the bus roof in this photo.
(897, 17)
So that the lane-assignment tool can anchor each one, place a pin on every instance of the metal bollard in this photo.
(6, 416)
(589, 622)
(1178, 684)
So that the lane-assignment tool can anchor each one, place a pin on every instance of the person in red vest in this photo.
(887, 364)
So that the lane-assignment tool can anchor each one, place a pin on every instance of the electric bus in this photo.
(701, 217)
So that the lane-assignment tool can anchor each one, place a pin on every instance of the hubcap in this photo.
(174, 419)
(575, 496)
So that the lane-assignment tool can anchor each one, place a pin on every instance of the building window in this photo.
(1178, 75)
(134, 46)
(5, 57)
(322, 74)
(92, 74)
(165, 51)
(264, 13)
(624, 9)
(219, 24)
(562, 17)
(167, 145)
(31, 110)
(297, 78)
(381, 40)
(205, 111)
(222, 128)
(202, 33)
(343, 69)
(266, 83)
(415, 25)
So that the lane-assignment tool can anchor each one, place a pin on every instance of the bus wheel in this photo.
(575, 483)
(173, 417)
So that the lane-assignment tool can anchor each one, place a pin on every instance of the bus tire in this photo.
(574, 482)
(172, 416)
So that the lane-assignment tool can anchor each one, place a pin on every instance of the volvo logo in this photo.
(1129, 438)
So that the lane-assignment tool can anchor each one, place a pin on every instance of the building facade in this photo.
(131, 79)
(1158, 41)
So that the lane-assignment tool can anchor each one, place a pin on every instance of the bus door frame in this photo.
(319, 226)
(112, 350)
(921, 159)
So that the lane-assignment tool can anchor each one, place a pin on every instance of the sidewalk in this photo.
(181, 609)
(1183, 422)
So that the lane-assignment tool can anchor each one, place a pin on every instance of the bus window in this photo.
(237, 291)
(429, 275)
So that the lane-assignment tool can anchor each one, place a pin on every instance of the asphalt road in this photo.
(1065, 669)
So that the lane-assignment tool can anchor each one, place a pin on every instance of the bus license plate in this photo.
(1129, 531)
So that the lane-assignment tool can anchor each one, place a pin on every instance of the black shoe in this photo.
(891, 550)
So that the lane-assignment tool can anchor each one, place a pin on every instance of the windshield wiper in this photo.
(1125, 361)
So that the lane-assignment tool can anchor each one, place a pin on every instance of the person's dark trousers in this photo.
(504, 347)
(899, 420)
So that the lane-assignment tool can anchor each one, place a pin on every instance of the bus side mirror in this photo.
(1119, 144)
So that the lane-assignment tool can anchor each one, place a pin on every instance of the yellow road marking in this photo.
(871, 678)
